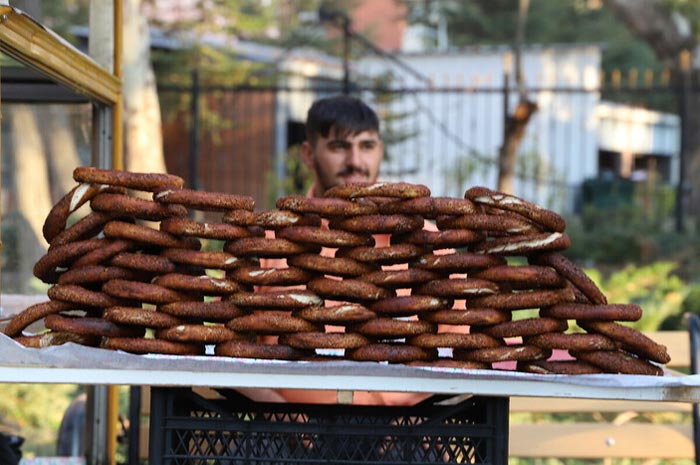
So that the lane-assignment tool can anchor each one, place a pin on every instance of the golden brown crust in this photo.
(192, 228)
(351, 290)
(81, 296)
(547, 218)
(573, 273)
(392, 353)
(215, 310)
(340, 315)
(58, 215)
(271, 322)
(619, 362)
(389, 255)
(409, 305)
(389, 328)
(259, 276)
(139, 181)
(102, 254)
(135, 207)
(143, 262)
(458, 288)
(334, 266)
(203, 200)
(85, 228)
(396, 279)
(57, 338)
(204, 284)
(572, 341)
(35, 313)
(470, 316)
(137, 316)
(522, 276)
(462, 340)
(502, 353)
(267, 247)
(525, 327)
(428, 207)
(502, 224)
(631, 340)
(323, 340)
(61, 256)
(444, 239)
(588, 312)
(458, 262)
(378, 224)
(211, 259)
(95, 274)
(450, 363)
(524, 299)
(324, 237)
(245, 349)
(524, 244)
(205, 334)
(283, 299)
(271, 219)
(558, 367)
(152, 346)
(89, 326)
(148, 236)
(401, 190)
(326, 207)
(142, 292)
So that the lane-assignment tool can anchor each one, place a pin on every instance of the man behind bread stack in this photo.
(343, 146)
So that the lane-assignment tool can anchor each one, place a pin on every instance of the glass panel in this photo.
(45, 133)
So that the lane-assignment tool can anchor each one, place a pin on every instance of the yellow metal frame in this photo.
(41, 49)
(36, 46)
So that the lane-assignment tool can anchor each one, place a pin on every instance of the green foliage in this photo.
(625, 222)
(654, 287)
(36, 411)
(298, 177)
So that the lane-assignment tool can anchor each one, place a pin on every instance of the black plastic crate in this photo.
(188, 429)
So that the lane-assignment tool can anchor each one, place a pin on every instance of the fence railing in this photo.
(447, 137)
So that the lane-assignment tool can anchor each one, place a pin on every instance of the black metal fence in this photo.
(447, 137)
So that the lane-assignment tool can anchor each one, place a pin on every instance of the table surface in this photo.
(73, 364)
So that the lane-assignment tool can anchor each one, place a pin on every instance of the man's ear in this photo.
(307, 154)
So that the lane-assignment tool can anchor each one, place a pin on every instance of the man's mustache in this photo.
(349, 171)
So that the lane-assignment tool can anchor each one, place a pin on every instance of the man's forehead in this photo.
(369, 134)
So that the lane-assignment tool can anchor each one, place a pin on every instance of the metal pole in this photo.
(346, 55)
(193, 159)
(683, 94)
(694, 330)
(134, 440)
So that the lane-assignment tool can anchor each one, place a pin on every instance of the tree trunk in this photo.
(514, 133)
(143, 139)
(516, 123)
(31, 192)
(63, 155)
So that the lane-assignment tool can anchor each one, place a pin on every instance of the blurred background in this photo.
(587, 107)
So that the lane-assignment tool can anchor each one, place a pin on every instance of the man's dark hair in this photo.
(346, 115)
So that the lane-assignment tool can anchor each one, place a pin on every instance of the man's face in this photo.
(340, 160)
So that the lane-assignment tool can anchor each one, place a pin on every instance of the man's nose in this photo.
(354, 158)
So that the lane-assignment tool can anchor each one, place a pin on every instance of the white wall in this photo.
(457, 125)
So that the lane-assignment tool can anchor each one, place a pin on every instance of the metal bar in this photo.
(37, 47)
(193, 158)
(95, 415)
(134, 439)
(694, 330)
(102, 135)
